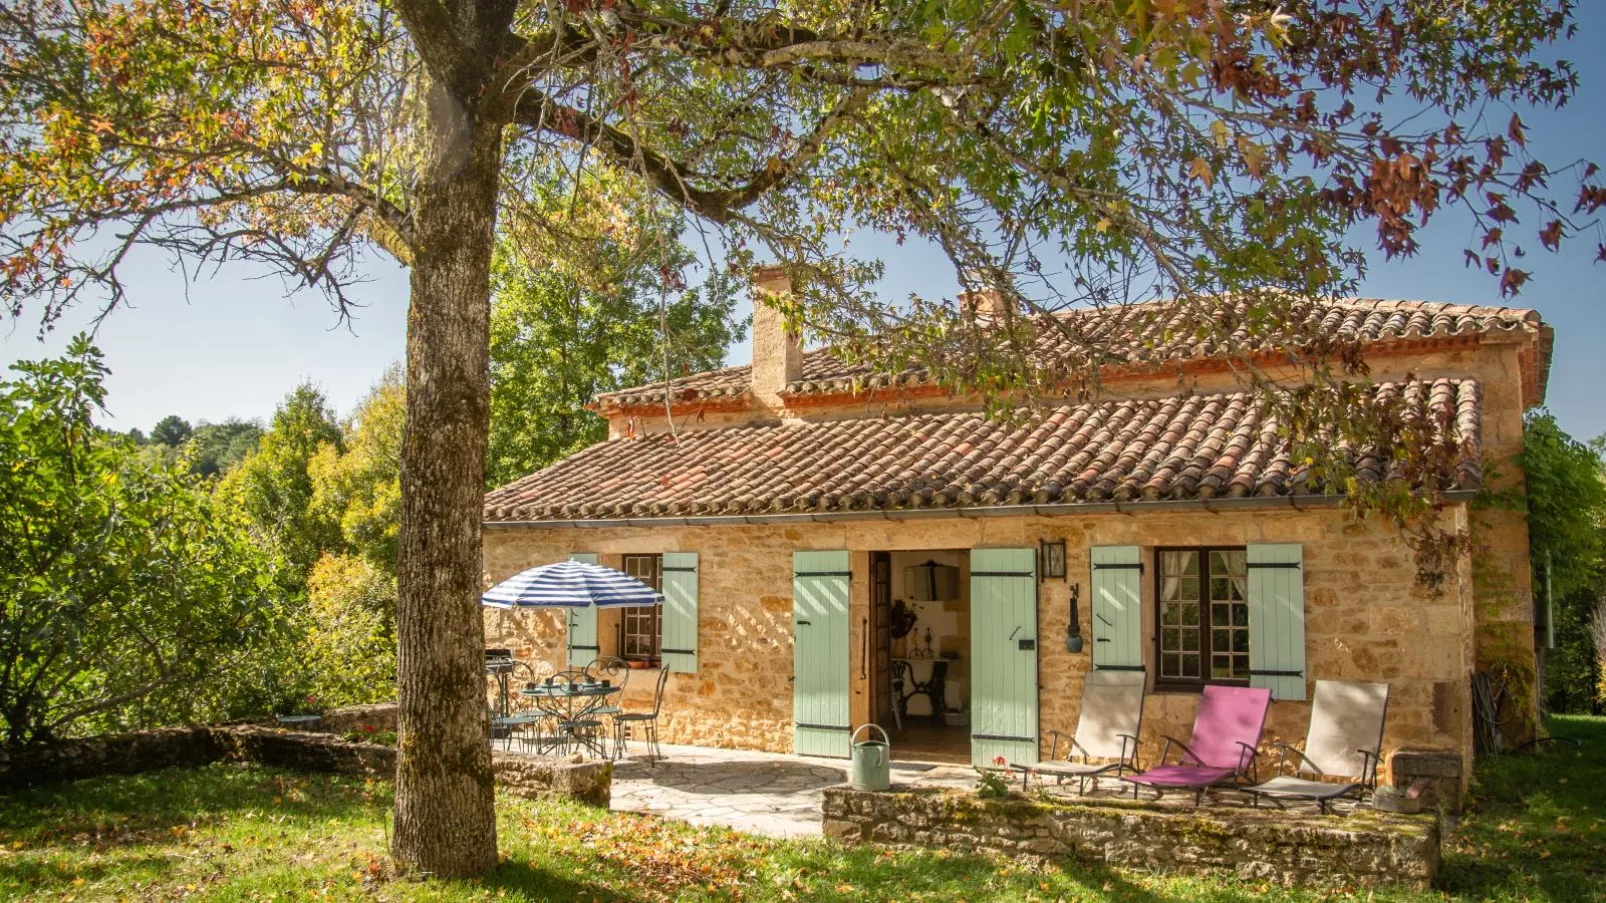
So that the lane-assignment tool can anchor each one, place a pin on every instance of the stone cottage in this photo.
(838, 548)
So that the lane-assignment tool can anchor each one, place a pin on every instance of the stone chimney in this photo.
(986, 302)
(777, 350)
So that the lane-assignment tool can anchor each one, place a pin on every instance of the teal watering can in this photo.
(872, 767)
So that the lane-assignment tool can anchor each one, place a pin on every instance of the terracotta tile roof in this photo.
(1193, 447)
(1144, 333)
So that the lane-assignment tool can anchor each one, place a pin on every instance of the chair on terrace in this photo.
(1106, 729)
(1344, 741)
(617, 671)
(623, 723)
(1226, 732)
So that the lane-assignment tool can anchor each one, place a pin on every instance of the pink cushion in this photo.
(1179, 776)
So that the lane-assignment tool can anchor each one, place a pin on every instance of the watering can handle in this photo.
(884, 738)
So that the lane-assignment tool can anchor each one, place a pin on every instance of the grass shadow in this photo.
(1537, 827)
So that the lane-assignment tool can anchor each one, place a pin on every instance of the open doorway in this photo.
(919, 653)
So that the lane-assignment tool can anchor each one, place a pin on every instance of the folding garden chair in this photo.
(1106, 729)
(1344, 741)
(1226, 732)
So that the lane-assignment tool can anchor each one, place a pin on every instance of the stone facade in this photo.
(1361, 850)
(1497, 577)
(1366, 619)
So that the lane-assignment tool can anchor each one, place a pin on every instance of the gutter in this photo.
(1063, 509)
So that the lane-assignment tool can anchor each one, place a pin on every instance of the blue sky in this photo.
(233, 344)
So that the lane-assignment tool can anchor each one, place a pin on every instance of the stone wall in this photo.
(193, 747)
(1362, 850)
(1366, 619)
(132, 753)
(377, 718)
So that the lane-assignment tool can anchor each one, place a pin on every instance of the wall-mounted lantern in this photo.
(1051, 560)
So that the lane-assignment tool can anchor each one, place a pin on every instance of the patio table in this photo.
(570, 704)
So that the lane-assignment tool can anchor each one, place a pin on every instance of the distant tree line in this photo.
(212, 447)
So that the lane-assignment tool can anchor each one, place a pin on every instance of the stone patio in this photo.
(782, 795)
(765, 793)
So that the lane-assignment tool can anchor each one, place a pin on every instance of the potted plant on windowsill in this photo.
(640, 664)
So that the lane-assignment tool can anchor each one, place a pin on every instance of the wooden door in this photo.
(880, 641)
(1003, 650)
(821, 720)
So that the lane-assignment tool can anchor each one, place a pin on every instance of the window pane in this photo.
(1170, 665)
(1178, 563)
(1190, 615)
(1190, 641)
(640, 625)
(1190, 666)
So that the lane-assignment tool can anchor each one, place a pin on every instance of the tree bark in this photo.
(445, 815)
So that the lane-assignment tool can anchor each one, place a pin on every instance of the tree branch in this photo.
(669, 176)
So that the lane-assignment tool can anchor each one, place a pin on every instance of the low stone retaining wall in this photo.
(110, 754)
(1365, 849)
(191, 747)
(377, 718)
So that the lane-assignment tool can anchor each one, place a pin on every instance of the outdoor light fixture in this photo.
(931, 582)
(1051, 560)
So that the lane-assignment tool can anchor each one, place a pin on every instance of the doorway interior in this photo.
(920, 653)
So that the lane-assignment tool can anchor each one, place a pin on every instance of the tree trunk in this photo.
(445, 816)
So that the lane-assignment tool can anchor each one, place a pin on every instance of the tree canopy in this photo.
(588, 299)
(125, 589)
(171, 430)
(1062, 153)
(1565, 501)
(274, 489)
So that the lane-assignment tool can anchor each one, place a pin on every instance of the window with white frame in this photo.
(641, 626)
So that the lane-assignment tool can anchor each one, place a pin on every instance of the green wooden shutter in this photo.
(1117, 608)
(1277, 619)
(822, 725)
(678, 643)
(582, 624)
(1003, 655)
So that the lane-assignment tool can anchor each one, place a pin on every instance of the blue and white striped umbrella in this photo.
(570, 584)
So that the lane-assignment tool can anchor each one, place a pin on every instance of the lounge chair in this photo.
(1106, 729)
(1344, 741)
(1226, 732)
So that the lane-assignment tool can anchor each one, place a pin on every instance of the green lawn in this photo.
(248, 833)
